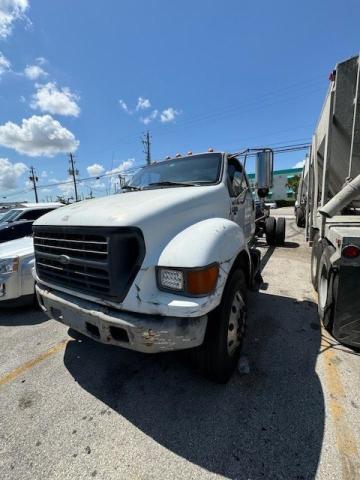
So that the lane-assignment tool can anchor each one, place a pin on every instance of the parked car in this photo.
(30, 211)
(16, 263)
(17, 258)
(14, 230)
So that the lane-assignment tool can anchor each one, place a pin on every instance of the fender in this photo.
(213, 240)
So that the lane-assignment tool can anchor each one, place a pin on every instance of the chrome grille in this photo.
(101, 261)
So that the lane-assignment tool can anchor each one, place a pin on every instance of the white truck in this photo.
(328, 205)
(162, 266)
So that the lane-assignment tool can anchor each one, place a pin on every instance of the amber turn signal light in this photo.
(202, 282)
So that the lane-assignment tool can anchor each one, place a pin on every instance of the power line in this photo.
(33, 178)
(279, 149)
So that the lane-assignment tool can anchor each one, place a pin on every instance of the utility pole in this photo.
(33, 178)
(73, 172)
(147, 146)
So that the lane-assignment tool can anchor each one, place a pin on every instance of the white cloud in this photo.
(149, 118)
(95, 170)
(44, 174)
(123, 166)
(4, 63)
(49, 98)
(10, 11)
(124, 106)
(143, 103)
(38, 136)
(67, 189)
(9, 174)
(168, 115)
(33, 72)
(299, 164)
(40, 60)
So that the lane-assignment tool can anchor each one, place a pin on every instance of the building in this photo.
(280, 190)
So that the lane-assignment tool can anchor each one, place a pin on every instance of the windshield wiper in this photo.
(170, 184)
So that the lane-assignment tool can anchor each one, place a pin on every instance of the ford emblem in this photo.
(64, 259)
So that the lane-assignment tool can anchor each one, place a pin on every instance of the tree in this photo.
(293, 183)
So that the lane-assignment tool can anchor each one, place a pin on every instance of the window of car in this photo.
(34, 214)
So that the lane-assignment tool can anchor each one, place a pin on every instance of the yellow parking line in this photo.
(345, 440)
(8, 377)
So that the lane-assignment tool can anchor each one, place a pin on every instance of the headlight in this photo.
(171, 279)
(9, 265)
(195, 282)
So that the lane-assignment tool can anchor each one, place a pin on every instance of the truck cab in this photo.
(163, 265)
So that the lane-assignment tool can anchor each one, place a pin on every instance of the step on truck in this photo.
(163, 265)
(328, 205)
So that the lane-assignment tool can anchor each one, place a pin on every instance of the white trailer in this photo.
(328, 205)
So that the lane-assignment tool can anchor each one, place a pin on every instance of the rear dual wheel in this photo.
(275, 231)
(327, 284)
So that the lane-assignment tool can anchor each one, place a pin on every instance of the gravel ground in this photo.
(71, 408)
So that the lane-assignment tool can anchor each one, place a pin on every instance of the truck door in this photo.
(242, 210)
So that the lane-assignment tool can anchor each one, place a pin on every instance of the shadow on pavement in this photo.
(19, 316)
(267, 424)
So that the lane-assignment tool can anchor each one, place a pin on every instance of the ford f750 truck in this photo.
(162, 266)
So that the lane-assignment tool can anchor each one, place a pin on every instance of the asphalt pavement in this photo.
(71, 408)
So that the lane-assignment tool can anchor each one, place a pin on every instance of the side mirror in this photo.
(264, 168)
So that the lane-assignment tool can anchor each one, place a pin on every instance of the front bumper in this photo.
(143, 333)
(10, 284)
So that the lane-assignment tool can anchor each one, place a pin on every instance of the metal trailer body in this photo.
(333, 164)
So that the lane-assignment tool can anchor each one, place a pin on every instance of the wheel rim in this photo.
(236, 323)
(323, 290)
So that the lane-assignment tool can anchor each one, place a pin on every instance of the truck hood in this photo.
(19, 247)
(140, 208)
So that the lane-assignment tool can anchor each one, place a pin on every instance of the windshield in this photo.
(196, 170)
(10, 215)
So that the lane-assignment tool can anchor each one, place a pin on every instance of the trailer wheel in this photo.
(326, 280)
(280, 231)
(217, 357)
(316, 252)
(270, 230)
(300, 217)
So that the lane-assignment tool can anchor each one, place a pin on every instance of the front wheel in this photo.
(218, 356)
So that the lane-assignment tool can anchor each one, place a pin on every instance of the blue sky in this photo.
(91, 77)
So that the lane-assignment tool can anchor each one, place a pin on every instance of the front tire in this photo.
(218, 356)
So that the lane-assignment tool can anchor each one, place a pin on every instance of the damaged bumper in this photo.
(143, 333)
